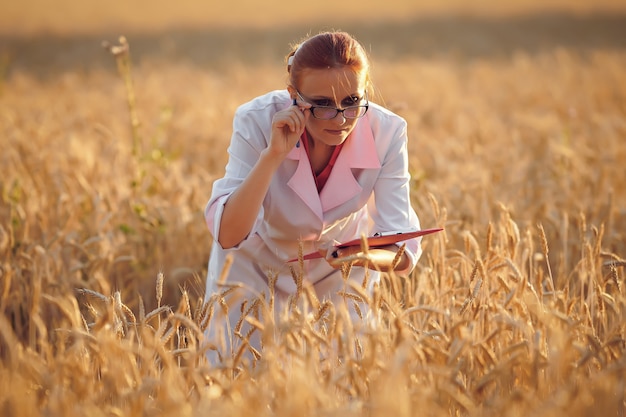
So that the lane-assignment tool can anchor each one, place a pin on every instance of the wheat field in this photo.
(517, 128)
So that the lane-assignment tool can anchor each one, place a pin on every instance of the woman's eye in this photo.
(351, 101)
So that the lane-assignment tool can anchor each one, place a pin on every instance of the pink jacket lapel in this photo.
(359, 151)
(302, 182)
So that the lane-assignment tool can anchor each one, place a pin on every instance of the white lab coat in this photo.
(368, 192)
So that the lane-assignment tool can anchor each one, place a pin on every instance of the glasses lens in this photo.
(328, 113)
(324, 112)
(354, 112)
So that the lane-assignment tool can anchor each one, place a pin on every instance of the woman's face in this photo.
(335, 87)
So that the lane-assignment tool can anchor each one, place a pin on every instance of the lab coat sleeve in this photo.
(247, 141)
(392, 211)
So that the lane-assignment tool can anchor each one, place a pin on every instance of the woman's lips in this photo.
(336, 132)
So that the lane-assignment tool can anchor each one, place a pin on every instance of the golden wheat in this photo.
(517, 308)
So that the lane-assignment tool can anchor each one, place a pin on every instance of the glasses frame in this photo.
(336, 109)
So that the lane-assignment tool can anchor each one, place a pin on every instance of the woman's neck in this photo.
(319, 154)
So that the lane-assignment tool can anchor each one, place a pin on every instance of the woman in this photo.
(311, 166)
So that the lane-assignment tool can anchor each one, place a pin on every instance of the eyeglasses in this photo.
(328, 113)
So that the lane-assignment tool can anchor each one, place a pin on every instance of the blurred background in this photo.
(46, 37)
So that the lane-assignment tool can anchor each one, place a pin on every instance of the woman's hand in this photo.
(287, 128)
(385, 258)
(337, 257)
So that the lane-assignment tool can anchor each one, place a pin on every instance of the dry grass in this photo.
(517, 128)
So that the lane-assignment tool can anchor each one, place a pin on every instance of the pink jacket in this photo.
(368, 190)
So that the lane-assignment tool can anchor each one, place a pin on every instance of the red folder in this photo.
(375, 241)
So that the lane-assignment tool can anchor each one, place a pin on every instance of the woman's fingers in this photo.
(291, 122)
(333, 257)
(292, 118)
(287, 128)
(296, 124)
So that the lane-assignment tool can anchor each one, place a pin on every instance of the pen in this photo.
(295, 103)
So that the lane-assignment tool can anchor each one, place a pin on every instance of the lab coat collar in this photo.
(358, 152)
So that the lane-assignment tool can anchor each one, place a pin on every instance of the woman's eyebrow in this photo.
(348, 97)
